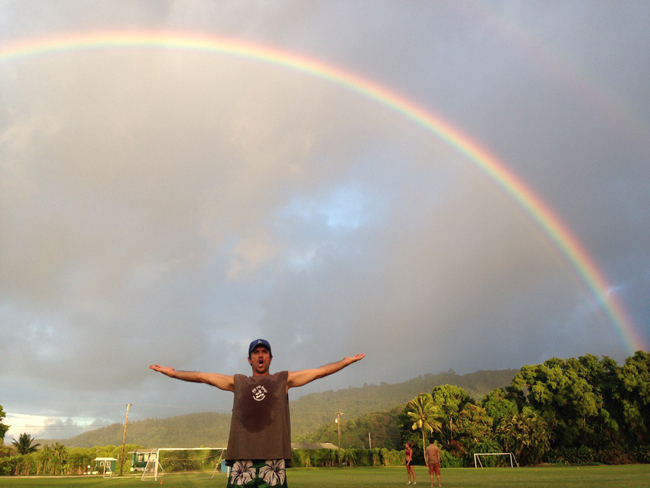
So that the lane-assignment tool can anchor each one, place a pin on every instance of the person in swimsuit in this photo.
(408, 460)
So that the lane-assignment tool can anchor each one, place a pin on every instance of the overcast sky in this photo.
(168, 206)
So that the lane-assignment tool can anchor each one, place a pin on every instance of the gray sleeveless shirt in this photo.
(260, 427)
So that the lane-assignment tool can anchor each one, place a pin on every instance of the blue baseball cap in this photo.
(259, 342)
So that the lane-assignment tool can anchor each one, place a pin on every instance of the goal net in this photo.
(154, 469)
(509, 457)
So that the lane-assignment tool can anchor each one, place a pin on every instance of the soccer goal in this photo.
(153, 466)
(509, 455)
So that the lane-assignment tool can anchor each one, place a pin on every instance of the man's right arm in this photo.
(221, 381)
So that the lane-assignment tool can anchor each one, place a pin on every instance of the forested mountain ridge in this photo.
(309, 413)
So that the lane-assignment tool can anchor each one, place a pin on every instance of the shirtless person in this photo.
(259, 445)
(432, 457)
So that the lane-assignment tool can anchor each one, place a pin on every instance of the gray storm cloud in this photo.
(168, 206)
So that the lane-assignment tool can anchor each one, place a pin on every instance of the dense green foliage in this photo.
(423, 415)
(349, 457)
(3, 428)
(57, 459)
(570, 411)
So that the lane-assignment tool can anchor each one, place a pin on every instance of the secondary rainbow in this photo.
(569, 247)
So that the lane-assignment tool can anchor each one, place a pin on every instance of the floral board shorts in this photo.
(262, 474)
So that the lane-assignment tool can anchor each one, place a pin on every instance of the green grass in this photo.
(637, 476)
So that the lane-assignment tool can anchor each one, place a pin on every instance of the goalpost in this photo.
(151, 466)
(478, 463)
(153, 463)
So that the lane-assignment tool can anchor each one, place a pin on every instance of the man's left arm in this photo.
(302, 377)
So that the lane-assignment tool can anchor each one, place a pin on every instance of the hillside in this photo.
(378, 429)
(309, 414)
(193, 430)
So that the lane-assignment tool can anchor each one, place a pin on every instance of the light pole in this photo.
(338, 423)
(126, 420)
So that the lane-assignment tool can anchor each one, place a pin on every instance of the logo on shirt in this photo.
(259, 393)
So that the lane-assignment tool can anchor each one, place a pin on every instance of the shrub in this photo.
(572, 455)
(391, 458)
(642, 454)
(315, 457)
(8, 465)
(349, 457)
(448, 460)
(615, 456)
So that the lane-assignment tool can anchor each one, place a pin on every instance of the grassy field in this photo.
(637, 476)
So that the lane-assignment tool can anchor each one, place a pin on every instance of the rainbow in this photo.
(568, 246)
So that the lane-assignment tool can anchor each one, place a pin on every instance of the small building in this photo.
(105, 465)
(141, 457)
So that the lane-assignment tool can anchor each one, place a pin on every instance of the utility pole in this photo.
(338, 423)
(126, 420)
(369, 441)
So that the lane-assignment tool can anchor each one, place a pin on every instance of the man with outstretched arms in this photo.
(259, 445)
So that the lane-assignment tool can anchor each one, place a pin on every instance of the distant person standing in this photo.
(408, 460)
(259, 444)
(432, 457)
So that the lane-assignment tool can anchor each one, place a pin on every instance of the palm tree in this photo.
(422, 411)
(527, 435)
(59, 456)
(25, 444)
(3, 427)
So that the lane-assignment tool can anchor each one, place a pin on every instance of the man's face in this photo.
(260, 360)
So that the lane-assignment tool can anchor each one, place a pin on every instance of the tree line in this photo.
(25, 458)
(562, 411)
